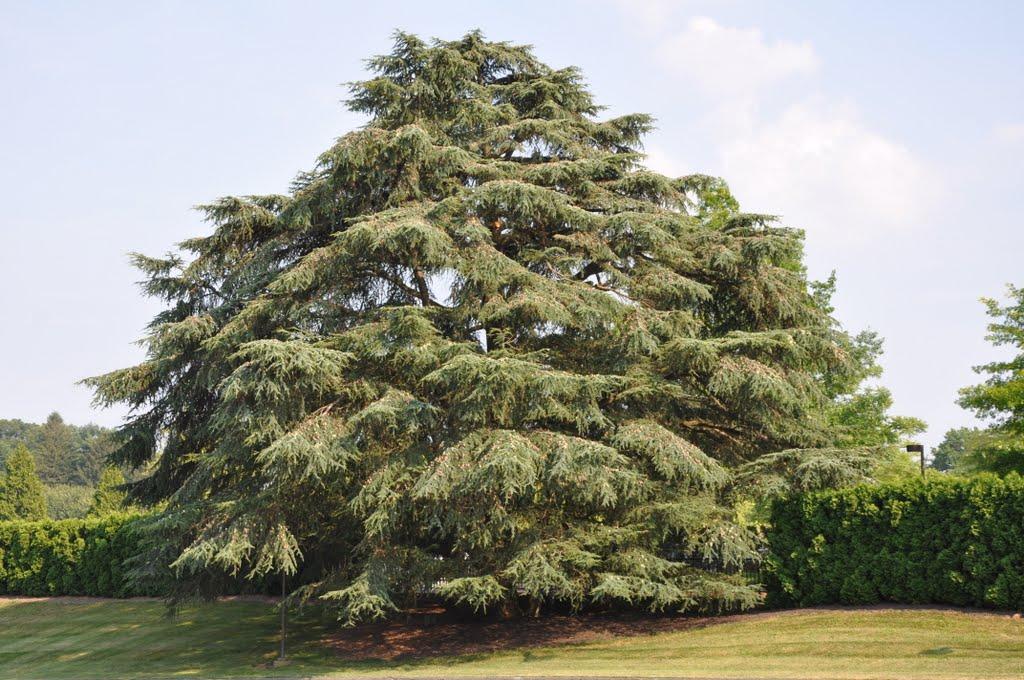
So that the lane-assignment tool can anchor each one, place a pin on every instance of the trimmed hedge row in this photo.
(938, 541)
(68, 557)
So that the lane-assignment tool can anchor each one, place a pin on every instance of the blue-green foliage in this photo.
(940, 540)
(69, 557)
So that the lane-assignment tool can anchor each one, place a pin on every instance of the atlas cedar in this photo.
(478, 352)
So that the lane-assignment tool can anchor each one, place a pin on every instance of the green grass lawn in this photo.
(132, 639)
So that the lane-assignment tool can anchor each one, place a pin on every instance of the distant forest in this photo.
(65, 454)
(68, 458)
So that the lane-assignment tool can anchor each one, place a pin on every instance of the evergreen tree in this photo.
(479, 351)
(108, 497)
(1001, 397)
(54, 447)
(21, 493)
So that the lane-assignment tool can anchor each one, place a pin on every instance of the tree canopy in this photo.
(1000, 399)
(480, 351)
(860, 411)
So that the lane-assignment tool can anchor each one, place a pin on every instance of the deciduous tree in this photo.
(954, 448)
(1000, 399)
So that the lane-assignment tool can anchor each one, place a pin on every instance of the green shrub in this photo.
(69, 557)
(940, 540)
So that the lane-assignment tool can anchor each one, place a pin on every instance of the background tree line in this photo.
(56, 470)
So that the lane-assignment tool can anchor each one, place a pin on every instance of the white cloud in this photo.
(789, 150)
(734, 63)
(824, 170)
(1010, 133)
(659, 160)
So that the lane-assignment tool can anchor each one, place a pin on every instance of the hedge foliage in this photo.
(939, 540)
(69, 557)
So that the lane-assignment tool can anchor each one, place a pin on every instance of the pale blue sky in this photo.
(892, 133)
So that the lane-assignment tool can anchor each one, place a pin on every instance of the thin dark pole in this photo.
(283, 612)
(917, 448)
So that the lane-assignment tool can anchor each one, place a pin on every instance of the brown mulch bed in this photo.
(441, 636)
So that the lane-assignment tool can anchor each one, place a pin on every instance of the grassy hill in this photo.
(78, 638)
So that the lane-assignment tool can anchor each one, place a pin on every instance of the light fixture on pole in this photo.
(917, 448)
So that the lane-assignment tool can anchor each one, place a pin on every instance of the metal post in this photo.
(283, 612)
(917, 448)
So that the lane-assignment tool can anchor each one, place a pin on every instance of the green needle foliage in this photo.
(108, 497)
(479, 353)
(22, 495)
